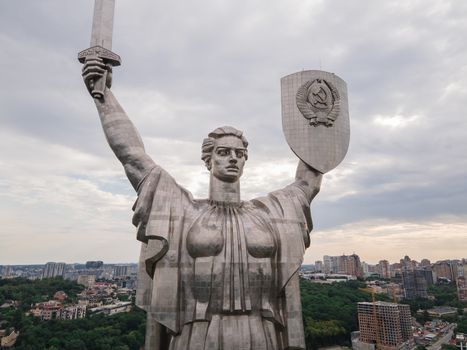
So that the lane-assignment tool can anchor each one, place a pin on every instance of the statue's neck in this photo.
(221, 191)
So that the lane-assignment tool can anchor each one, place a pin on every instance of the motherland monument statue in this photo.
(221, 272)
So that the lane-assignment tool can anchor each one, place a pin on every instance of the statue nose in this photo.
(233, 157)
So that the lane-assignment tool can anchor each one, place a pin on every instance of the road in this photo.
(443, 340)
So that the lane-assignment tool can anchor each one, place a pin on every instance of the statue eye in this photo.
(223, 152)
(240, 153)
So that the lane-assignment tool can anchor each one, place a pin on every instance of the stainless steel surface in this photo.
(102, 24)
(316, 123)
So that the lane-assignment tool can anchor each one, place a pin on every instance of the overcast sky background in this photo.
(190, 66)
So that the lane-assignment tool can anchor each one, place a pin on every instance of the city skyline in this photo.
(188, 69)
(116, 262)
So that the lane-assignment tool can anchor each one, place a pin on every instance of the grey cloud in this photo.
(190, 67)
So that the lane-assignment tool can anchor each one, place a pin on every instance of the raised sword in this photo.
(101, 42)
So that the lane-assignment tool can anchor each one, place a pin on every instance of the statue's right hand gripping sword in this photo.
(101, 42)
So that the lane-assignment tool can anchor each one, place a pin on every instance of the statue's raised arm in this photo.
(120, 132)
(309, 180)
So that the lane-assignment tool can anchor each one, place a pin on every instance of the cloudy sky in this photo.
(190, 66)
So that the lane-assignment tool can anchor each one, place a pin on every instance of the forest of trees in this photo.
(329, 313)
(124, 331)
(444, 295)
(29, 292)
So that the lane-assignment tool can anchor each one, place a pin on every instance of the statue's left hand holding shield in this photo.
(121, 134)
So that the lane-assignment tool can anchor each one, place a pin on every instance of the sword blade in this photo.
(102, 23)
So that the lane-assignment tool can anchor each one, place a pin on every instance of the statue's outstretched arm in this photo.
(121, 134)
(309, 179)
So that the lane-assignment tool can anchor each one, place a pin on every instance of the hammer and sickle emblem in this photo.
(318, 96)
(319, 102)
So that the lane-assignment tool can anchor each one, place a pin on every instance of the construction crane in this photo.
(375, 316)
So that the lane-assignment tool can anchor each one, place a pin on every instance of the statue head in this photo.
(224, 152)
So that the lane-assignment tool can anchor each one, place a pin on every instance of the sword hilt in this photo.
(108, 57)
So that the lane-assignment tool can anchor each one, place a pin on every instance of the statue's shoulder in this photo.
(159, 180)
(289, 202)
(268, 202)
(292, 190)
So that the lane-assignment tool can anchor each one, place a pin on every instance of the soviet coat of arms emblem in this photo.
(315, 117)
(319, 102)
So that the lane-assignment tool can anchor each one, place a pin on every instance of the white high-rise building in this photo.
(54, 269)
(327, 264)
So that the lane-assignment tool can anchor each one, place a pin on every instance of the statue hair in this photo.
(208, 143)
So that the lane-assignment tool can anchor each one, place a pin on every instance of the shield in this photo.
(315, 117)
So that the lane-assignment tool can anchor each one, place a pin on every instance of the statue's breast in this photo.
(259, 238)
(205, 237)
(216, 227)
(232, 248)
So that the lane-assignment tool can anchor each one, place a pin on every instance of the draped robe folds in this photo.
(202, 259)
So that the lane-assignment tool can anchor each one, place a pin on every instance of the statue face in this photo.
(228, 158)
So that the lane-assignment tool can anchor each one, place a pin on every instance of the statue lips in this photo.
(232, 168)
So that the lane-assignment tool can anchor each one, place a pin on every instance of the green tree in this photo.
(445, 294)
(322, 333)
(124, 331)
(462, 324)
(418, 304)
(448, 347)
(335, 303)
(424, 317)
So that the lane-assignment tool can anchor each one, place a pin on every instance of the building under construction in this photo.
(416, 282)
(386, 325)
(462, 288)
